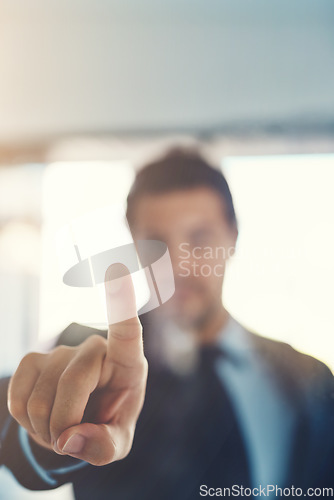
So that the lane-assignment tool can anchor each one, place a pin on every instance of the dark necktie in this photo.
(224, 462)
(202, 439)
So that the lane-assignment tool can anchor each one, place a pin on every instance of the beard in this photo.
(192, 306)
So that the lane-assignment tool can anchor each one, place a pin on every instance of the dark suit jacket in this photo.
(152, 469)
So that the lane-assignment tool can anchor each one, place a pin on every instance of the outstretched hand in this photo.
(84, 401)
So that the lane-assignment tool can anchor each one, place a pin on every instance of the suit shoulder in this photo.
(75, 334)
(295, 364)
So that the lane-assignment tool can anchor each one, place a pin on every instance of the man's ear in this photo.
(233, 241)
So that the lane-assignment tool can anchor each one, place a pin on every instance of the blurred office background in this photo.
(91, 89)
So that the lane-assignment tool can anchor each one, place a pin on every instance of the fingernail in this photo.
(74, 444)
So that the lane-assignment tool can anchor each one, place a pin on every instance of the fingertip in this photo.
(115, 272)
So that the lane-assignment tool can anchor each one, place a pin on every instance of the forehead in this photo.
(179, 210)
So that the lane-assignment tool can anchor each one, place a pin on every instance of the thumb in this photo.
(97, 444)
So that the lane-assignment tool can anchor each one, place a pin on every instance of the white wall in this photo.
(101, 65)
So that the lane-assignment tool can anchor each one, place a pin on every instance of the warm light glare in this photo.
(72, 190)
(280, 283)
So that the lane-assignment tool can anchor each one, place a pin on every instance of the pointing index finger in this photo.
(124, 330)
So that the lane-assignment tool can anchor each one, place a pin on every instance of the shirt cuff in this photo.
(48, 475)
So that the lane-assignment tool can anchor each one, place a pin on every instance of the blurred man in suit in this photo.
(224, 407)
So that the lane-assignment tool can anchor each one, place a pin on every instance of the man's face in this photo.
(193, 225)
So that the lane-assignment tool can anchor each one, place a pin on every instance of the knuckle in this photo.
(74, 375)
(128, 330)
(142, 366)
(30, 359)
(137, 326)
(61, 349)
(16, 408)
(38, 408)
(96, 341)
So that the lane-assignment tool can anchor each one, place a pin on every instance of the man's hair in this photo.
(179, 169)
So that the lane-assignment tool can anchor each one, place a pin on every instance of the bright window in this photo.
(280, 283)
(72, 190)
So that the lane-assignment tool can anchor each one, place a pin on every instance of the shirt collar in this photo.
(235, 341)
